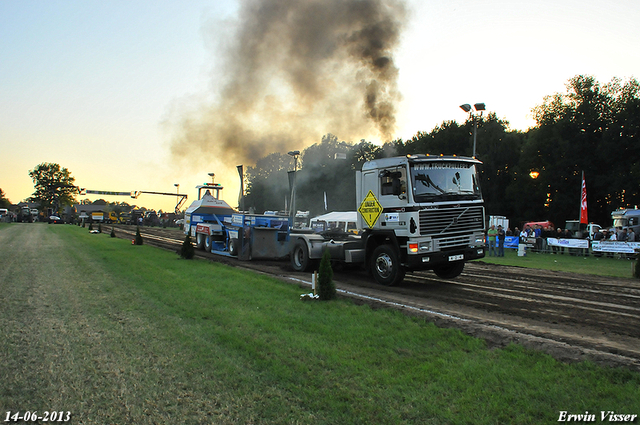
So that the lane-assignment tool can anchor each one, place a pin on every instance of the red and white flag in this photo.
(583, 202)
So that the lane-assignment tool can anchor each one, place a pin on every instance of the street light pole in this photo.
(479, 107)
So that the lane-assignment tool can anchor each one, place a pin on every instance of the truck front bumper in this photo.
(431, 260)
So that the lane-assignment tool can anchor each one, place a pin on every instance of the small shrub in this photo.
(138, 236)
(326, 285)
(187, 250)
(113, 233)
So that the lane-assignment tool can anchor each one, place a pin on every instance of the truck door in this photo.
(369, 182)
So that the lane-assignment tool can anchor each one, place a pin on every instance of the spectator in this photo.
(501, 236)
(559, 235)
(632, 235)
(598, 236)
(568, 235)
(537, 232)
(491, 236)
(548, 232)
(623, 236)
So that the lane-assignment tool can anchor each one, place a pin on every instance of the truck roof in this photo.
(629, 211)
(418, 158)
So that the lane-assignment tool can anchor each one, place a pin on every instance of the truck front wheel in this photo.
(449, 271)
(385, 266)
(300, 260)
(233, 247)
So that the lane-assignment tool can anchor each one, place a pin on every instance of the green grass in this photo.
(616, 266)
(117, 333)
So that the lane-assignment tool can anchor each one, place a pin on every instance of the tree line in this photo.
(592, 128)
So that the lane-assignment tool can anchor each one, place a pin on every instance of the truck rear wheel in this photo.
(208, 242)
(385, 266)
(449, 271)
(200, 240)
(300, 260)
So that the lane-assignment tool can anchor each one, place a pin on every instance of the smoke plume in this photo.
(293, 71)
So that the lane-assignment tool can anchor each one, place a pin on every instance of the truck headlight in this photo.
(425, 246)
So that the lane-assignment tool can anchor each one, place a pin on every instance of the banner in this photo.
(615, 246)
(568, 243)
(511, 242)
(583, 203)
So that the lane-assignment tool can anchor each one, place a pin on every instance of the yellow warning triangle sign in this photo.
(370, 209)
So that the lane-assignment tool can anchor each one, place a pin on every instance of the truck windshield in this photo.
(444, 180)
(620, 222)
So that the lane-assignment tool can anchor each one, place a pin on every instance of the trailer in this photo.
(218, 228)
(416, 212)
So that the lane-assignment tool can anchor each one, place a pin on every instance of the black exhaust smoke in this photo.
(293, 71)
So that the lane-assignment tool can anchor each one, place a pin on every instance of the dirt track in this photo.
(570, 316)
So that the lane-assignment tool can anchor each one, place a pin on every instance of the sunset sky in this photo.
(99, 87)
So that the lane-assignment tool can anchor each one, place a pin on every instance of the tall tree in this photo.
(53, 185)
(497, 147)
(4, 202)
(327, 168)
(592, 128)
(267, 183)
(326, 171)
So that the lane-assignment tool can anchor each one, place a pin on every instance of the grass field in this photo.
(115, 333)
(615, 266)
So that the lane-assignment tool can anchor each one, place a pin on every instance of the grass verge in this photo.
(615, 266)
(116, 333)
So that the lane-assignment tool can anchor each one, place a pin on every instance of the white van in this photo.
(338, 221)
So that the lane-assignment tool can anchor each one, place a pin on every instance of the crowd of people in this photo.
(496, 236)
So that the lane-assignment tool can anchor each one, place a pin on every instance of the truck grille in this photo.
(448, 221)
(462, 241)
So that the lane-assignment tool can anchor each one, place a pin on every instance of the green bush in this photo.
(326, 285)
(113, 233)
(138, 236)
(187, 251)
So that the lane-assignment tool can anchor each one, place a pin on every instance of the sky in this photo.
(103, 87)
